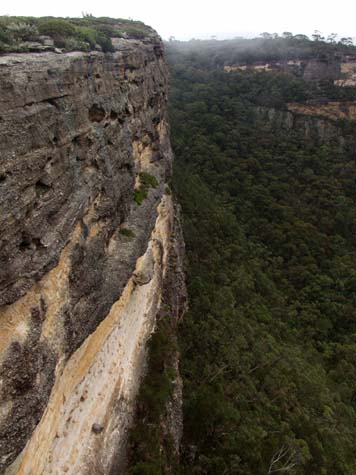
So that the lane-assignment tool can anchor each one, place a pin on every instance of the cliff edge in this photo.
(87, 225)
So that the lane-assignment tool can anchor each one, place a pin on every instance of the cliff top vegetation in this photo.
(31, 34)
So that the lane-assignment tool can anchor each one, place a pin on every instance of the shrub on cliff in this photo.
(94, 37)
(105, 43)
(4, 37)
(87, 34)
(147, 181)
(56, 27)
(14, 31)
(23, 31)
(108, 30)
(135, 31)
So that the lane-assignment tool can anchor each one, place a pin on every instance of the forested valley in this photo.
(268, 346)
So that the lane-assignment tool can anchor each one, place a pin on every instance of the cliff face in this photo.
(341, 68)
(86, 233)
(316, 123)
(313, 69)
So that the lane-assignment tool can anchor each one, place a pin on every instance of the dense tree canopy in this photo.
(269, 343)
(268, 47)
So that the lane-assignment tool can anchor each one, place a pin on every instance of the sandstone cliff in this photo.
(315, 123)
(341, 69)
(86, 246)
(313, 69)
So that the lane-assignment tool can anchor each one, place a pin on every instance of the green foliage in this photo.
(135, 30)
(107, 30)
(269, 343)
(56, 27)
(4, 37)
(128, 233)
(87, 34)
(105, 43)
(267, 48)
(147, 181)
(93, 37)
(12, 32)
(71, 34)
(22, 31)
(140, 195)
(149, 450)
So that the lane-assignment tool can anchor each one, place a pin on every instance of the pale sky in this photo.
(187, 19)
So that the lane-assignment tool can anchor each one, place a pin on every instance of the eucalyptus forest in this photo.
(268, 346)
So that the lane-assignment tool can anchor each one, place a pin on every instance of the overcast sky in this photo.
(187, 19)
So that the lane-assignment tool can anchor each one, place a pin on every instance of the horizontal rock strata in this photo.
(82, 136)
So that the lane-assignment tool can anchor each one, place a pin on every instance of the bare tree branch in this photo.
(283, 460)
